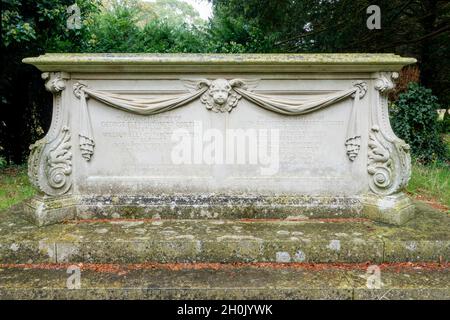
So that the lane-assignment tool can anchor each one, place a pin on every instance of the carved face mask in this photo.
(219, 90)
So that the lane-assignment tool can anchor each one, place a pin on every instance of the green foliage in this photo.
(417, 28)
(113, 30)
(29, 25)
(414, 119)
(445, 124)
(33, 27)
(3, 163)
(431, 181)
(235, 35)
(117, 29)
(14, 186)
(14, 28)
(30, 28)
(174, 12)
(161, 36)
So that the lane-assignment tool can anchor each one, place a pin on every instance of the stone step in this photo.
(427, 238)
(225, 281)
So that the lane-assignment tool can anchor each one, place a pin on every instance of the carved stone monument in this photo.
(219, 136)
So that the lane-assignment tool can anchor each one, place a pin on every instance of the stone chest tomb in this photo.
(219, 136)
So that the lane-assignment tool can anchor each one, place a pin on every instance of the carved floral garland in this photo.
(220, 95)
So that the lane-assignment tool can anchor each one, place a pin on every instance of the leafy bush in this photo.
(34, 27)
(3, 162)
(414, 119)
(113, 30)
(445, 124)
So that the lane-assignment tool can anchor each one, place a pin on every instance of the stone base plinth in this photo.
(216, 206)
(44, 210)
(48, 210)
(395, 209)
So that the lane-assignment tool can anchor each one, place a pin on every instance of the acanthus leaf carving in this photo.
(36, 151)
(389, 160)
(388, 163)
(380, 163)
(49, 163)
(59, 163)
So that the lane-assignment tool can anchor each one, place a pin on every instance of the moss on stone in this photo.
(197, 62)
(202, 58)
(426, 238)
(234, 283)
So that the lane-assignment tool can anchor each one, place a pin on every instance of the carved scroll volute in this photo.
(389, 161)
(54, 82)
(50, 160)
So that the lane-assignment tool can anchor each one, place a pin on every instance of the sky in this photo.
(203, 7)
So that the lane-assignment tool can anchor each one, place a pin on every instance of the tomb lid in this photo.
(199, 63)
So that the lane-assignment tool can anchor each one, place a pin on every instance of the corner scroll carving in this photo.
(59, 163)
(50, 171)
(49, 163)
(54, 82)
(389, 163)
(386, 82)
(389, 160)
(380, 162)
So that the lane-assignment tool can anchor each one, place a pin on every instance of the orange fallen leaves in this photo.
(121, 269)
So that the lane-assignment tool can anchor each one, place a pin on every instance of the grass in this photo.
(14, 186)
(430, 182)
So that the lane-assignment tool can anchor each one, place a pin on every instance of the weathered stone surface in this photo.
(119, 62)
(226, 259)
(230, 283)
(187, 135)
(425, 238)
(218, 207)
(43, 210)
(395, 209)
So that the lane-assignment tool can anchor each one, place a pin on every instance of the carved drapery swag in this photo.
(220, 95)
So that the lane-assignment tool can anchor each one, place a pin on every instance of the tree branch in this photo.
(425, 37)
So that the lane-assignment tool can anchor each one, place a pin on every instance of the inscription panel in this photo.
(247, 150)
